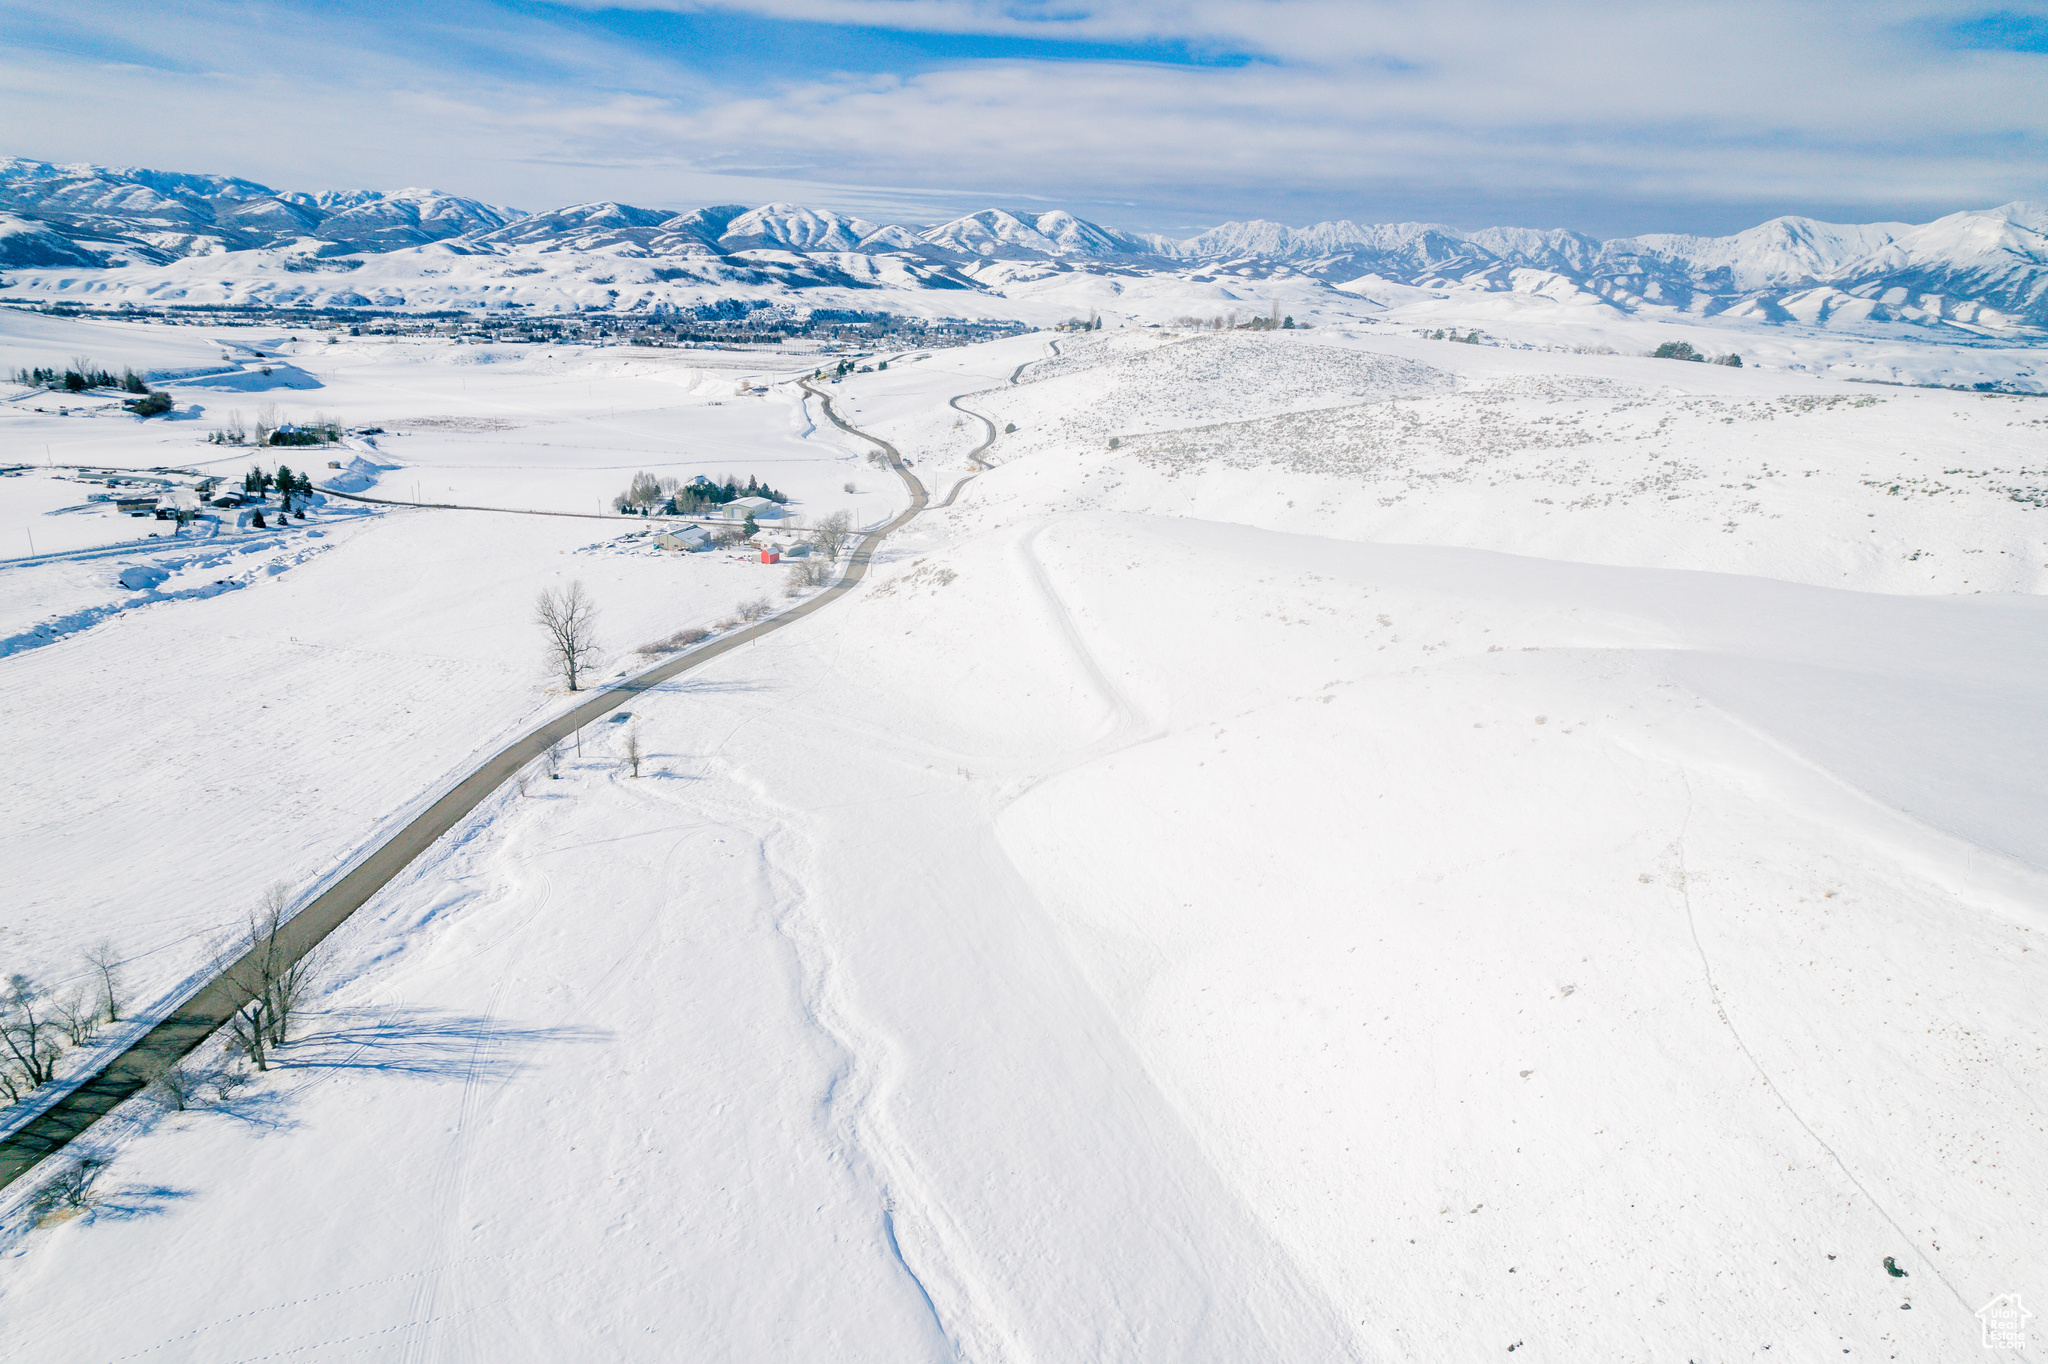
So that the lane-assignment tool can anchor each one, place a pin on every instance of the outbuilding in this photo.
(760, 508)
(682, 539)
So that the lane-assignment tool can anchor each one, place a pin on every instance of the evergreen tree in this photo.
(287, 486)
(750, 528)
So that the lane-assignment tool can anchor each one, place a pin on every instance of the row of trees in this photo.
(271, 430)
(38, 1025)
(80, 375)
(292, 488)
(1273, 322)
(278, 984)
(1682, 350)
(647, 493)
(846, 367)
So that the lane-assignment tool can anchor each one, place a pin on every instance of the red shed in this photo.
(769, 556)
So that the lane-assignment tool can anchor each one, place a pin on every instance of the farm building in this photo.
(760, 507)
(682, 539)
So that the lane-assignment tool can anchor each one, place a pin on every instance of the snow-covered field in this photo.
(1419, 851)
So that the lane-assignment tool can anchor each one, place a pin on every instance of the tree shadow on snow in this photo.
(134, 1201)
(428, 1043)
(264, 1108)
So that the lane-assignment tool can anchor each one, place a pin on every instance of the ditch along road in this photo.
(204, 1012)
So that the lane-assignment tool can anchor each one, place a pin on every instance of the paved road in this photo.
(201, 1015)
(974, 455)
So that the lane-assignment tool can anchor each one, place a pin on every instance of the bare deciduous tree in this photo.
(77, 1017)
(175, 1085)
(829, 535)
(69, 1189)
(633, 750)
(28, 1035)
(805, 574)
(569, 619)
(106, 965)
(753, 610)
(554, 760)
(276, 982)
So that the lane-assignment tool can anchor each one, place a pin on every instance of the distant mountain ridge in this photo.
(1982, 269)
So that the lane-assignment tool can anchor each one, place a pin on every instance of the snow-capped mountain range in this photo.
(73, 226)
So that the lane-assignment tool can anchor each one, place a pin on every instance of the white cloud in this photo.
(1354, 103)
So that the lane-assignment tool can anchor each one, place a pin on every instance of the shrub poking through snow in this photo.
(805, 574)
(681, 639)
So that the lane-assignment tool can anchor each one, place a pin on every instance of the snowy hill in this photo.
(1421, 851)
(119, 235)
(157, 216)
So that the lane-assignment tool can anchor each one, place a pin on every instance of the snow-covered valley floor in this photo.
(1335, 881)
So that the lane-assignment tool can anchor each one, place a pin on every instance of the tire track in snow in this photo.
(1721, 1011)
(453, 1177)
(963, 1313)
(1124, 723)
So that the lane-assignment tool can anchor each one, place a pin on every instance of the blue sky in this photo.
(1165, 115)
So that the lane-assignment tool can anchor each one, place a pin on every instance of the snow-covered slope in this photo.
(1453, 853)
(792, 227)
